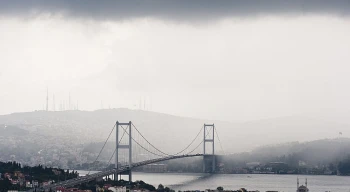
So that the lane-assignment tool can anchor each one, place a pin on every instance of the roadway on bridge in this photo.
(87, 178)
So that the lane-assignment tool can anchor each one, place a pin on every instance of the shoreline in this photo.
(189, 173)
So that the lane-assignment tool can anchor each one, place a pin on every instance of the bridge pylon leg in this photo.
(127, 146)
(209, 158)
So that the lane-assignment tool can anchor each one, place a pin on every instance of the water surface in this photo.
(286, 183)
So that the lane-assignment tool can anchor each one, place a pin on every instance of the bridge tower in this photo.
(209, 157)
(127, 146)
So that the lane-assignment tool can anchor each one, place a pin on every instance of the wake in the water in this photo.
(190, 182)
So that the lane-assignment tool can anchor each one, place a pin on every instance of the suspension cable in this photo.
(115, 149)
(141, 145)
(108, 164)
(217, 135)
(149, 142)
(200, 142)
(167, 153)
(102, 147)
(152, 144)
(190, 143)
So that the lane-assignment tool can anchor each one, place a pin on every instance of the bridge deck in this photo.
(87, 178)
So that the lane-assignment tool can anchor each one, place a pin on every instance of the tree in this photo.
(160, 188)
(5, 184)
(220, 188)
(167, 189)
(344, 167)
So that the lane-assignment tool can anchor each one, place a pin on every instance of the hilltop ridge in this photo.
(94, 126)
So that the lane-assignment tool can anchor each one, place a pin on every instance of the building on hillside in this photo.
(302, 163)
(22, 181)
(60, 189)
(99, 189)
(277, 164)
(8, 176)
(277, 167)
(45, 183)
(71, 189)
(302, 188)
(17, 174)
(140, 190)
(252, 165)
(14, 182)
(28, 184)
(35, 183)
(106, 186)
(117, 189)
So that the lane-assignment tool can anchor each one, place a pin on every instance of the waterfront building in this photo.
(28, 184)
(14, 182)
(117, 189)
(35, 183)
(252, 165)
(155, 168)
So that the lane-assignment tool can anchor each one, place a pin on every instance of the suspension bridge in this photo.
(133, 150)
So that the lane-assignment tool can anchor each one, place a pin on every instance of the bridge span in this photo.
(87, 178)
(134, 150)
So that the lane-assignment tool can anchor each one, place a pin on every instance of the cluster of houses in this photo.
(18, 178)
(109, 187)
(62, 189)
(278, 168)
(105, 188)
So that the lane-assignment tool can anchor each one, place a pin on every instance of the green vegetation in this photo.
(6, 185)
(318, 157)
(39, 172)
(344, 167)
(133, 185)
(161, 188)
(26, 173)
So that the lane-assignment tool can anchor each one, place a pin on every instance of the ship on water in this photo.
(302, 188)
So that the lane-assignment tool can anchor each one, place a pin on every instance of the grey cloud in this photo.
(181, 10)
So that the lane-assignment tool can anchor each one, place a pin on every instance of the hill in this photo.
(94, 126)
(316, 153)
(11, 131)
(67, 138)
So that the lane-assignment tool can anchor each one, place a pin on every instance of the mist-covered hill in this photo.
(313, 153)
(68, 138)
(11, 131)
(86, 127)
(172, 133)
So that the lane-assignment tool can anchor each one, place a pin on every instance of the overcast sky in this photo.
(227, 60)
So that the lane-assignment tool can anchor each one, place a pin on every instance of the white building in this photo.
(117, 189)
(35, 184)
(29, 185)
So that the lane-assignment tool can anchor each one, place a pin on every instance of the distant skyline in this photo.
(224, 61)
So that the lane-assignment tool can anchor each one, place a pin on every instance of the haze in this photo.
(225, 61)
